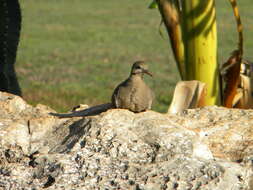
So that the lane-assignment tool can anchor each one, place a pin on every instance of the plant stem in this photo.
(200, 42)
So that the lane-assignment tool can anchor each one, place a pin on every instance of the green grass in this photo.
(77, 51)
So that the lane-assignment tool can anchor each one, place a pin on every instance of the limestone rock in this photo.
(227, 132)
(208, 148)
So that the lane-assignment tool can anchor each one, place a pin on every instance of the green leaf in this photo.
(153, 5)
(160, 29)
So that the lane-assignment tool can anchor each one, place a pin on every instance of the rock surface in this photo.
(209, 148)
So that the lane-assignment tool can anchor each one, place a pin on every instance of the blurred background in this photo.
(76, 52)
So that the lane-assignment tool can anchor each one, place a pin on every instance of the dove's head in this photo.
(139, 67)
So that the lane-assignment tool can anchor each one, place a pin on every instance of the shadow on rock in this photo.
(65, 137)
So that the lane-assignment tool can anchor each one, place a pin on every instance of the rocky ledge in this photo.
(209, 148)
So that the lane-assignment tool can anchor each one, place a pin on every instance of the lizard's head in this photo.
(139, 67)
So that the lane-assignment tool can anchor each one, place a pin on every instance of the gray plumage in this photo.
(132, 94)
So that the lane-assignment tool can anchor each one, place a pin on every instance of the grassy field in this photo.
(76, 51)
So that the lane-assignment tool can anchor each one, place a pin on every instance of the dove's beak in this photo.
(147, 72)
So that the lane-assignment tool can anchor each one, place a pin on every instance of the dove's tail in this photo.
(87, 112)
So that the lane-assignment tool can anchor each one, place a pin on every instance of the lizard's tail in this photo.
(87, 112)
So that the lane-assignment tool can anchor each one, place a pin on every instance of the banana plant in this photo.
(238, 86)
(191, 26)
